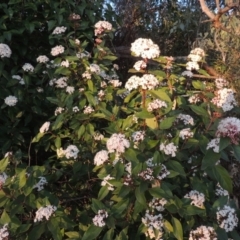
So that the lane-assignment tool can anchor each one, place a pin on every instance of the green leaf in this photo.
(63, 71)
(103, 192)
(53, 100)
(177, 228)
(53, 227)
(72, 234)
(36, 231)
(224, 142)
(57, 142)
(176, 166)
(140, 196)
(22, 178)
(152, 123)
(92, 232)
(81, 131)
(3, 164)
(90, 85)
(167, 225)
(167, 123)
(199, 110)
(236, 151)
(144, 114)
(198, 85)
(210, 159)
(193, 210)
(109, 235)
(161, 95)
(220, 174)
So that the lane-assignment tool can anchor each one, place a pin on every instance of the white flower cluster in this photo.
(4, 232)
(11, 100)
(186, 133)
(5, 51)
(147, 82)
(59, 30)
(203, 233)
(98, 220)
(115, 83)
(27, 67)
(70, 89)
(60, 83)
(153, 223)
(101, 157)
(187, 73)
(41, 183)
(195, 56)
(42, 59)
(3, 178)
(214, 144)
(220, 191)
(145, 48)
(88, 110)
(156, 104)
(194, 99)
(221, 83)
(65, 64)
(71, 152)
(106, 183)
(102, 26)
(137, 137)
(187, 119)
(44, 212)
(147, 174)
(158, 204)
(84, 54)
(98, 136)
(227, 218)
(197, 198)
(39, 89)
(140, 65)
(117, 143)
(101, 94)
(229, 127)
(225, 99)
(163, 173)
(58, 110)
(74, 16)
(44, 128)
(21, 81)
(168, 149)
(57, 50)
(75, 109)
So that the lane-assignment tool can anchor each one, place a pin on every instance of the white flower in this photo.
(105, 182)
(115, 66)
(57, 50)
(194, 58)
(39, 89)
(169, 149)
(163, 173)
(58, 110)
(101, 157)
(98, 220)
(61, 82)
(138, 136)
(198, 51)
(4, 232)
(158, 204)
(214, 144)
(102, 26)
(229, 127)
(74, 16)
(77, 42)
(41, 183)
(5, 51)
(21, 81)
(186, 133)
(70, 89)
(192, 66)
(44, 212)
(148, 81)
(220, 191)
(10, 101)
(75, 109)
(227, 218)
(88, 110)
(225, 99)
(221, 83)
(187, 119)
(203, 233)
(187, 73)
(145, 48)
(42, 59)
(59, 30)
(140, 65)
(101, 94)
(94, 68)
(156, 104)
(65, 64)
(117, 143)
(44, 127)
(3, 178)
(87, 75)
(8, 154)
(116, 83)
(27, 67)
(132, 83)
(71, 152)
(60, 153)
(98, 136)
(194, 98)
(197, 198)
(153, 223)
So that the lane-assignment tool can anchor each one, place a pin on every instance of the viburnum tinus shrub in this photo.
(139, 161)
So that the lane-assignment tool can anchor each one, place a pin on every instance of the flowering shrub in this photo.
(86, 156)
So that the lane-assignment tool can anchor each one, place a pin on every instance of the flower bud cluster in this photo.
(203, 233)
(41, 183)
(44, 212)
(195, 56)
(98, 220)
(156, 104)
(5, 51)
(101, 27)
(168, 149)
(197, 198)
